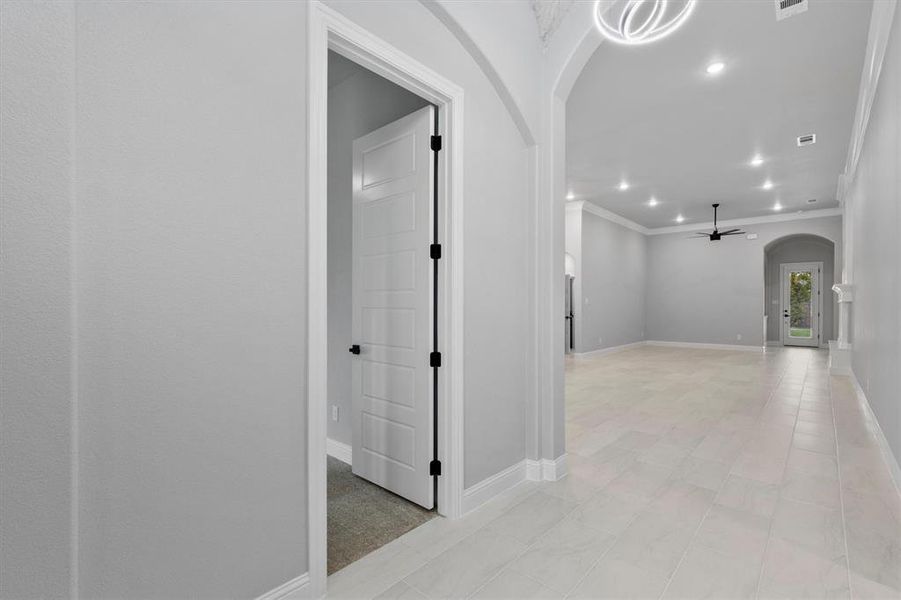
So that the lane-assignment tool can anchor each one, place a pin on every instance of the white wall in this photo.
(875, 218)
(712, 292)
(614, 282)
(36, 389)
(802, 248)
(358, 105)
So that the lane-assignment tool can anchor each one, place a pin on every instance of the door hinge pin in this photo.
(435, 251)
(435, 467)
(434, 359)
(436, 143)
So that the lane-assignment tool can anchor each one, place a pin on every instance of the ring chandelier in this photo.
(635, 22)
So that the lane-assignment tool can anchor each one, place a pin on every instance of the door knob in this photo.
(355, 349)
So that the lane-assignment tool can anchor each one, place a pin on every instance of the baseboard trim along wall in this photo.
(610, 350)
(296, 589)
(339, 450)
(887, 455)
(525, 470)
(700, 346)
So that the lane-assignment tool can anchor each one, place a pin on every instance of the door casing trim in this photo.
(330, 30)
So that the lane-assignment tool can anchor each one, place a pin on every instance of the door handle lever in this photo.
(355, 349)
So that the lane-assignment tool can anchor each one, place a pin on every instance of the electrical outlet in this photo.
(334, 412)
(738, 337)
(600, 341)
(587, 301)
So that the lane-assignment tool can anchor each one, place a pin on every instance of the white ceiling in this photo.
(653, 116)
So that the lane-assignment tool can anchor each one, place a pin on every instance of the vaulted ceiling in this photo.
(653, 117)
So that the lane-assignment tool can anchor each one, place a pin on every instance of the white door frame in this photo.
(330, 30)
(816, 300)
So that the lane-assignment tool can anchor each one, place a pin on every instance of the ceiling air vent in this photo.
(787, 8)
(807, 140)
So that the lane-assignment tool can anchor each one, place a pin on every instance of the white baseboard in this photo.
(887, 455)
(611, 350)
(546, 469)
(296, 589)
(771, 343)
(485, 490)
(700, 346)
(339, 450)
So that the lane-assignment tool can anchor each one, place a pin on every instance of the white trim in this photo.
(596, 210)
(490, 487)
(810, 214)
(702, 346)
(341, 451)
(887, 454)
(610, 350)
(546, 469)
(877, 41)
(296, 589)
(328, 29)
(771, 343)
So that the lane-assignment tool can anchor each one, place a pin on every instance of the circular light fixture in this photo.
(652, 201)
(623, 186)
(756, 161)
(635, 22)
(767, 185)
(570, 196)
(679, 219)
(715, 68)
(777, 207)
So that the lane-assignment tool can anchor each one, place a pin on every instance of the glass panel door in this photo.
(800, 304)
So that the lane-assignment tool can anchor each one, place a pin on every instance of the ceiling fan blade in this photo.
(730, 231)
(735, 232)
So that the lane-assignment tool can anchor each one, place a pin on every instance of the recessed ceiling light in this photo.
(623, 185)
(570, 196)
(777, 207)
(757, 160)
(679, 219)
(652, 201)
(715, 68)
(767, 185)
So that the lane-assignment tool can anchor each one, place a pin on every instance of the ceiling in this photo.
(652, 116)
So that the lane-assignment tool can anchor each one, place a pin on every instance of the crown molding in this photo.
(877, 41)
(583, 205)
(810, 214)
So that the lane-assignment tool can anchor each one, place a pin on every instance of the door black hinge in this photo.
(434, 359)
(436, 143)
(435, 251)
(435, 467)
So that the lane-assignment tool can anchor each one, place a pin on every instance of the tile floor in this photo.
(692, 474)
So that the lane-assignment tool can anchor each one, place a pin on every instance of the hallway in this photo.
(693, 473)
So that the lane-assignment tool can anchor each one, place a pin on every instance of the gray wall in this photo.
(802, 248)
(36, 388)
(874, 220)
(357, 105)
(614, 281)
(713, 292)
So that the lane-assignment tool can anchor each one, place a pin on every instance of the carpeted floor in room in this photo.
(363, 517)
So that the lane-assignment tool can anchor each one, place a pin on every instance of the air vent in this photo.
(788, 8)
(807, 140)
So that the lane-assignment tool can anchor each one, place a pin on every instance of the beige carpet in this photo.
(363, 517)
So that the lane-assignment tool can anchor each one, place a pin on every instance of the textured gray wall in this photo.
(191, 310)
(802, 248)
(36, 388)
(875, 198)
(356, 106)
(614, 282)
(712, 292)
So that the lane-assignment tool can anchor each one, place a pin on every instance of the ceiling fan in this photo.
(716, 234)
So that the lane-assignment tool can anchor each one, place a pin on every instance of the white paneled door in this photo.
(392, 307)
(801, 304)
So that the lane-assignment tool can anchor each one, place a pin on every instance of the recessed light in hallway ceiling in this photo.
(623, 186)
(767, 185)
(652, 201)
(756, 161)
(715, 68)
(679, 218)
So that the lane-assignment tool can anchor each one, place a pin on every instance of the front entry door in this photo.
(392, 308)
(801, 304)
